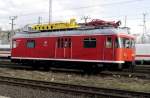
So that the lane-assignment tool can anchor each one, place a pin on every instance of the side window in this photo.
(64, 43)
(123, 42)
(14, 44)
(116, 43)
(89, 43)
(69, 43)
(132, 43)
(58, 43)
(109, 42)
(127, 43)
(31, 44)
(86, 43)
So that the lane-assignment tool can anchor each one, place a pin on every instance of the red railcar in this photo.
(93, 47)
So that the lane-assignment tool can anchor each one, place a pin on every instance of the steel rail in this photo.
(140, 72)
(77, 89)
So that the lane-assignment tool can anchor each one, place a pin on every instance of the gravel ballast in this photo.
(117, 82)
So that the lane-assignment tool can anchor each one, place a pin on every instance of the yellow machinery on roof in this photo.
(56, 26)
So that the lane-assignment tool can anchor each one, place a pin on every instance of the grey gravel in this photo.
(115, 81)
(23, 92)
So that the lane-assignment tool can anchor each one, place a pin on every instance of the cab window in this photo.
(126, 43)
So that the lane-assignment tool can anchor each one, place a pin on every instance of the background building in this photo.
(4, 37)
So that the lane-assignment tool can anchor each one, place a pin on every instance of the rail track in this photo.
(91, 92)
(76, 89)
(141, 71)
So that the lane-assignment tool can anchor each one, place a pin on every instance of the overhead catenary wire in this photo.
(86, 7)
(105, 4)
(83, 7)
(90, 6)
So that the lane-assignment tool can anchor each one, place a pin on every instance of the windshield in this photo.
(125, 43)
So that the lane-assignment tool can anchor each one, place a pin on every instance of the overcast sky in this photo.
(28, 11)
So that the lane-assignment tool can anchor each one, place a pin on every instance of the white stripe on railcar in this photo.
(79, 60)
(143, 58)
(7, 46)
(5, 53)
